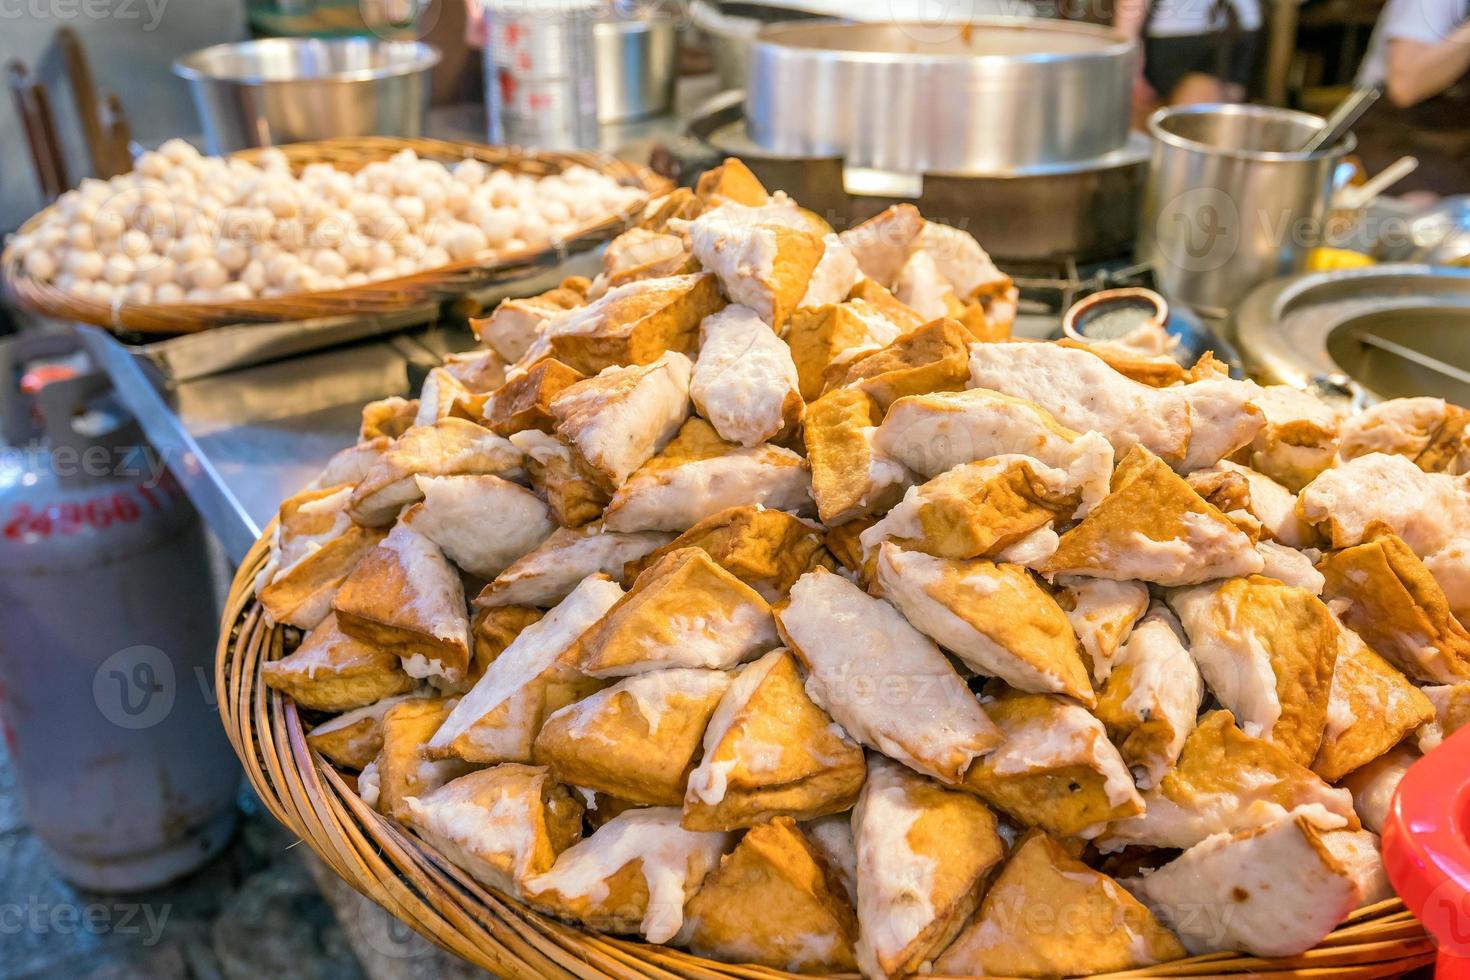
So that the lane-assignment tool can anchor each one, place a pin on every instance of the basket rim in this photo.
(410, 879)
(440, 283)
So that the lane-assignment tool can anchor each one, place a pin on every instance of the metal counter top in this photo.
(240, 441)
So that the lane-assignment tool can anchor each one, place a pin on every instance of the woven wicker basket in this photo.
(384, 296)
(409, 879)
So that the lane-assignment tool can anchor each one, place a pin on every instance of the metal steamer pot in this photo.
(1090, 208)
(996, 96)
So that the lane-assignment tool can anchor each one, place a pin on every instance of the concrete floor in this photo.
(252, 912)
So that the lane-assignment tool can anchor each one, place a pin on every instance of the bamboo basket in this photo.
(410, 880)
(439, 284)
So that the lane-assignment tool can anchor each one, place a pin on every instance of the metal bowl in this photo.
(1386, 331)
(290, 90)
(994, 96)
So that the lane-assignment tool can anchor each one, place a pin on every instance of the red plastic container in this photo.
(1426, 850)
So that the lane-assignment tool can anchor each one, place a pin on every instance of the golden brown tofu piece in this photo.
(406, 596)
(774, 901)
(1398, 608)
(823, 338)
(771, 752)
(1056, 769)
(512, 327)
(403, 769)
(502, 825)
(731, 181)
(637, 739)
(493, 629)
(935, 357)
(766, 549)
(1107, 928)
(331, 671)
(922, 848)
(850, 477)
(637, 327)
(683, 611)
(1153, 527)
(524, 402)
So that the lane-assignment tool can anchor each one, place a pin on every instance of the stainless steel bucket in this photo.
(637, 62)
(286, 90)
(1229, 202)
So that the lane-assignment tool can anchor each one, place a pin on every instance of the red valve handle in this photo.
(1426, 849)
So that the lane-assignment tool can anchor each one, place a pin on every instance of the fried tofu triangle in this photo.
(769, 751)
(774, 901)
(633, 875)
(1390, 599)
(497, 721)
(1056, 769)
(932, 358)
(616, 420)
(405, 596)
(331, 671)
(995, 618)
(353, 739)
(501, 824)
(977, 510)
(524, 402)
(1102, 928)
(448, 447)
(636, 740)
(635, 323)
(850, 477)
(923, 853)
(1273, 891)
(766, 549)
(1371, 709)
(683, 611)
(1267, 651)
(402, 771)
(882, 680)
(550, 572)
(762, 262)
(932, 433)
(1153, 527)
(1226, 780)
(699, 474)
(1149, 701)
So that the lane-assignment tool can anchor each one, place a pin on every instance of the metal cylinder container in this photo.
(107, 634)
(1229, 201)
(288, 90)
(540, 78)
(637, 64)
(992, 96)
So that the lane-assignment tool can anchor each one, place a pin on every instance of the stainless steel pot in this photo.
(637, 64)
(994, 96)
(1229, 201)
(285, 90)
(1089, 209)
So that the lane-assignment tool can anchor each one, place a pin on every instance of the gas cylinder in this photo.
(107, 634)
